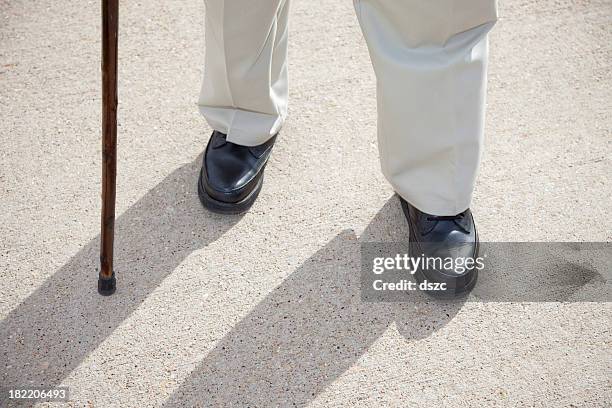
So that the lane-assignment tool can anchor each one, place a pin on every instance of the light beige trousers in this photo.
(430, 60)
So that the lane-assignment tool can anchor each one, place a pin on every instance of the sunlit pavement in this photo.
(264, 309)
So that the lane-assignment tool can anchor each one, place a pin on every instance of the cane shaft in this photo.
(110, 15)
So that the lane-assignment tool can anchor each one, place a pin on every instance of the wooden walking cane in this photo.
(110, 16)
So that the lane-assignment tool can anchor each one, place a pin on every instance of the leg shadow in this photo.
(309, 330)
(57, 326)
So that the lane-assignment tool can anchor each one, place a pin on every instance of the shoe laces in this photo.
(459, 216)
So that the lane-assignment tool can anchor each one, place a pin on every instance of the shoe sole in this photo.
(222, 207)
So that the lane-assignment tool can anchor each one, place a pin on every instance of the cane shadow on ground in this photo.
(309, 330)
(58, 325)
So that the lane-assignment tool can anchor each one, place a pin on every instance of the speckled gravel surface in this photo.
(264, 309)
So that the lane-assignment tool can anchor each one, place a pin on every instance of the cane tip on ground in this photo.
(107, 287)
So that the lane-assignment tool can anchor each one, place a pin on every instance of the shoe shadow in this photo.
(309, 330)
(56, 327)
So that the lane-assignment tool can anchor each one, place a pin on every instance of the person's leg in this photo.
(430, 59)
(244, 92)
(243, 98)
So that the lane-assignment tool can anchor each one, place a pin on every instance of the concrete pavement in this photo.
(264, 309)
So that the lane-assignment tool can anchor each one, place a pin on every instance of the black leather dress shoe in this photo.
(454, 240)
(232, 175)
